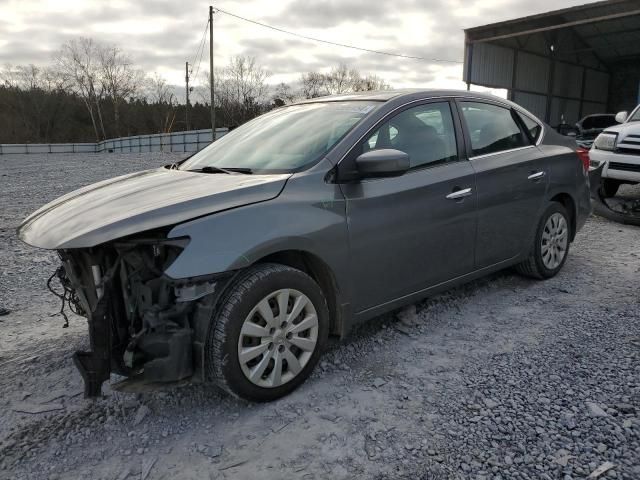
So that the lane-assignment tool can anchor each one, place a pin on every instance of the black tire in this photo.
(609, 187)
(246, 291)
(534, 266)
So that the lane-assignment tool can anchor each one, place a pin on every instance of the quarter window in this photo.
(426, 133)
(532, 126)
(492, 129)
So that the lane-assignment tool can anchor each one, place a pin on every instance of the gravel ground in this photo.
(627, 201)
(503, 378)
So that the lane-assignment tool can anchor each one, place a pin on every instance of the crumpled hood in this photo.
(141, 201)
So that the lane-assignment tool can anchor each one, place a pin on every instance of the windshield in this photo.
(635, 116)
(599, 122)
(284, 139)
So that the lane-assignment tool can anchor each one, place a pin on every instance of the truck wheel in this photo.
(269, 331)
(609, 187)
(551, 244)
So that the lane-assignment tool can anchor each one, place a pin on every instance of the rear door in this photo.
(409, 232)
(511, 178)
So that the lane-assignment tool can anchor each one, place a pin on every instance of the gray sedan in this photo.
(236, 264)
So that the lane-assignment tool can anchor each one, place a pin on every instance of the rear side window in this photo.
(492, 129)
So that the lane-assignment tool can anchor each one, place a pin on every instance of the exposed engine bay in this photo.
(142, 324)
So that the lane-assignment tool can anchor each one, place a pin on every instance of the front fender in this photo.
(308, 216)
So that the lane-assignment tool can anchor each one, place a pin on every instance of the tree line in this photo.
(93, 91)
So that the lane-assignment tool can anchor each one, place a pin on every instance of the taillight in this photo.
(583, 153)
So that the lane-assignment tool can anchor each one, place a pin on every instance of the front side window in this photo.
(283, 140)
(492, 128)
(426, 133)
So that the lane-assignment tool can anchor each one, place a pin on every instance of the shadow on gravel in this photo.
(445, 300)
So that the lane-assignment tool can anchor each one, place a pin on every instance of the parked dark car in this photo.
(591, 126)
(235, 265)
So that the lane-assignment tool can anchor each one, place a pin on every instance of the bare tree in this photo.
(31, 77)
(162, 96)
(370, 82)
(35, 102)
(78, 62)
(313, 85)
(240, 90)
(119, 79)
(247, 79)
(341, 79)
(158, 91)
(283, 94)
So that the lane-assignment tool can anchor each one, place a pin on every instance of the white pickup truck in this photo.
(618, 147)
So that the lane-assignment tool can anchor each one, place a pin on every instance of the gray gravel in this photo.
(627, 201)
(504, 378)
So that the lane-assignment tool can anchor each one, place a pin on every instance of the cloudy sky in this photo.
(160, 35)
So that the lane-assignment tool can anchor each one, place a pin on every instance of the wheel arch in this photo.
(569, 204)
(321, 273)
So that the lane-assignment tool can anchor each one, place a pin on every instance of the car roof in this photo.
(410, 93)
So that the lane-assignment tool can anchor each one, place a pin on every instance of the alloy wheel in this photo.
(555, 239)
(278, 338)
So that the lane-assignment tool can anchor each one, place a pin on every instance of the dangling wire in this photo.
(67, 298)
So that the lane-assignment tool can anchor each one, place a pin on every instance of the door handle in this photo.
(536, 176)
(458, 194)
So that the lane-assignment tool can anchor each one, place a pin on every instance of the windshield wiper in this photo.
(212, 169)
(209, 169)
(244, 170)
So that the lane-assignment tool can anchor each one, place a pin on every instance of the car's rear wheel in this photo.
(551, 244)
(269, 331)
(609, 187)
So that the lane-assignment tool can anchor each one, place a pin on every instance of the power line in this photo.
(200, 48)
(201, 51)
(390, 54)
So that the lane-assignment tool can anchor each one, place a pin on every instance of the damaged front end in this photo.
(142, 323)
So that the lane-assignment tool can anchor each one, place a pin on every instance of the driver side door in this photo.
(417, 230)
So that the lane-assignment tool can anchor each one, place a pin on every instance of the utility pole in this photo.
(213, 107)
(186, 107)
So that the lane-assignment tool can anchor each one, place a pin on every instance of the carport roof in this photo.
(606, 30)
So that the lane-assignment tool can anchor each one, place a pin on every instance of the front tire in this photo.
(551, 244)
(268, 334)
(609, 187)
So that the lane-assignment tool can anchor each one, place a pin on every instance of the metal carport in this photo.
(566, 63)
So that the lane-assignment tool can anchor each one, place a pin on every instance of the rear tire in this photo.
(609, 187)
(551, 244)
(268, 333)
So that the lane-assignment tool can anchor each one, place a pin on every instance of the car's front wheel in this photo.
(269, 331)
(551, 244)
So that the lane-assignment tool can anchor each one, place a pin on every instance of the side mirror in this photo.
(621, 117)
(386, 162)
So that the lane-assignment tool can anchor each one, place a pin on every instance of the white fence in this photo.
(190, 141)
